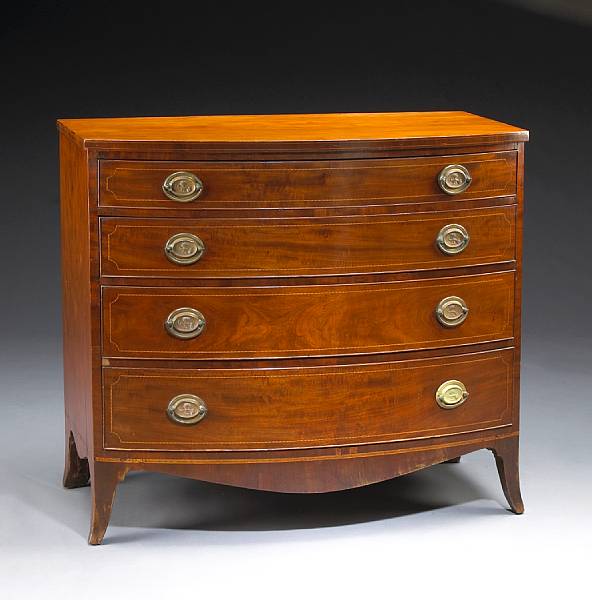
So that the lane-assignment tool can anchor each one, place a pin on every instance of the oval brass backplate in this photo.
(187, 409)
(451, 393)
(452, 239)
(451, 311)
(184, 248)
(454, 179)
(185, 323)
(182, 186)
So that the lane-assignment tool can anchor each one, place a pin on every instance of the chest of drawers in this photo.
(296, 303)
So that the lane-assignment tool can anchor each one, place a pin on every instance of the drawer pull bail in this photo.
(451, 311)
(184, 248)
(451, 393)
(185, 323)
(454, 179)
(182, 186)
(187, 409)
(452, 239)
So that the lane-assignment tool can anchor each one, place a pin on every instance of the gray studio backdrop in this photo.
(529, 68)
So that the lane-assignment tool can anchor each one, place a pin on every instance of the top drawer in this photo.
(305, 184)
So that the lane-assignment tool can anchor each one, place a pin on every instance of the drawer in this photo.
(252, 409)
(272, 322)
(260, 248)
(296, 184)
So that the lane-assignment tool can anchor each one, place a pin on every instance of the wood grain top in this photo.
(409, 129)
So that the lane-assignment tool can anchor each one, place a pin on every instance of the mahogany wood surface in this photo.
(407, 130)
(253, 409)
(325, 474)
(286, 184)
(285, 151)
(306, 321)
(323, 280)
(338, 214)
(506, 460)
(321, 246)
(76, 294)
(316, 454)
(76, 471)
(105, 476)
(309, 476)
(308, 361)
(180, 210)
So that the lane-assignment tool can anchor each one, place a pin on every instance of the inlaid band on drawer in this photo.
(268, 248)
(315, 320)
(252, 409)
(285, 184)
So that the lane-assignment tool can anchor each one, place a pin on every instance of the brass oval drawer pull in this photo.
(451, 393)
(184, 248)
(185, 323)
(187, 409)
(451, 311)
(182, 186)
(454, 179)
(452, 239)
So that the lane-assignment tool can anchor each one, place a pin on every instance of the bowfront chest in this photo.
(296, 303)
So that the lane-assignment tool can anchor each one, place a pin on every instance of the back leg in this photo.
(76, 471)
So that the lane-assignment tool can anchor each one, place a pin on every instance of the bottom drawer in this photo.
(254, 409)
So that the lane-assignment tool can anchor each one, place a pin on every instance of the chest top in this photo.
(393, 130)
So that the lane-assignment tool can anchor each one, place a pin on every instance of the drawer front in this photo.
(142, 184)
(217, 248)
(270, 322)
(252, 409)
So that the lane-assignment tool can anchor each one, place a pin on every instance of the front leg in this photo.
(506, 459)
(104, 478)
